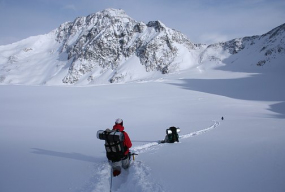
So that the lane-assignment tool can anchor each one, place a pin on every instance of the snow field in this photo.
(48, 137)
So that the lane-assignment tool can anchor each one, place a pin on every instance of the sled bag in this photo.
(168, 131)
(110, 135)
(172, 134)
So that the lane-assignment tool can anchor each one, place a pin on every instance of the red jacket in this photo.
(127, 141)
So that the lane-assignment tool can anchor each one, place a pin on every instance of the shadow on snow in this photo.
(259, 87)
(75, 156)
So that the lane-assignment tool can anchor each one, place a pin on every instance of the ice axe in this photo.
(133, 154)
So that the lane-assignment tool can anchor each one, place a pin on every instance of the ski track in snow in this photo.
(154, 145)
(138, 177)
(102, 178)
(216, 124)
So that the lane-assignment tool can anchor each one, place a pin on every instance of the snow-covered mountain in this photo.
(109, 46)
(227, 99)
(256, 51)
(109, 39)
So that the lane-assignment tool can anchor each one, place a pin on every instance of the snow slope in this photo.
(110, 47)
(48, 135)
(94, 50)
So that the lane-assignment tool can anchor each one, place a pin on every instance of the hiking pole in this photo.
(111, 179)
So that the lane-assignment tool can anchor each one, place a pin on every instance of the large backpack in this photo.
(172, 134)
(114, 143)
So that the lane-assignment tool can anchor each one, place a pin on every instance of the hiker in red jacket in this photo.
(125, 162)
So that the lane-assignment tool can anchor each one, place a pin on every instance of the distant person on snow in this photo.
(124, 160)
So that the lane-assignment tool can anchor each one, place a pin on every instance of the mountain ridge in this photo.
(112, 37)
(111, 47)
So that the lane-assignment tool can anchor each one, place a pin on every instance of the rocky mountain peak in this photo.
(268, 46)
(100, 20)
(106, 38)
(110, 46)
(276, 31)
(157, 25)
(114, 12)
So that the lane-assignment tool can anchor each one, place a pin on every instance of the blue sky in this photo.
(202, 21)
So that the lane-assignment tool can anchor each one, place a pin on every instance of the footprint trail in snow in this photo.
(137, 177)
(155, 145)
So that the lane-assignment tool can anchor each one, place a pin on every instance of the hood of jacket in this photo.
(118, 127)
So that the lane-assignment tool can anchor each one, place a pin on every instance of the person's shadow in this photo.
(75, 156)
